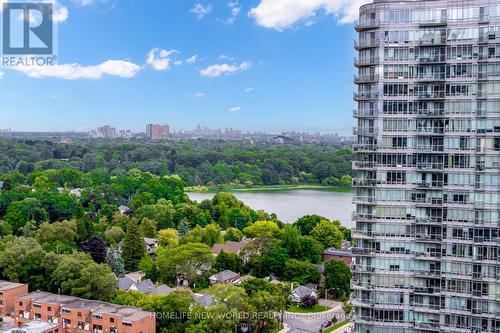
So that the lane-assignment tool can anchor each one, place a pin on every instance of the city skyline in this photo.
(227, 64)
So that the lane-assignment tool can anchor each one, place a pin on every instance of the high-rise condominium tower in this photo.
(428, 167)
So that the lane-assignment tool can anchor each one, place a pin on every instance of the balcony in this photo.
(433, 184)
(437, 22)
(429, 59)
(367, 24)
(365, 147)
(430, 96)
(430, 131)
(364, 182)
(366, 43)
(433, 41)
(361, 165)
(367, 95)
(366, 113)
(430, 166)
(366, 61)
(430, 148)
(424, 113)
(364, 200)
(365, 131)
(366, 78)
(431, 77)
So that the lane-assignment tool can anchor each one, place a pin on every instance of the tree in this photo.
(307, 223)
(328, 234)
(347, 308)
(262, 230)
(149, 268)
(269, 262)
(115, 262)
(301, 272)
(337, 278)
(20, 212)
(291, 240)
(134, 247)
(226, 260)
(84, 228)
(148, 228)
(96, 247)
(185, 261)
(233, 234)
(308, 301)
(210, 235)
(114, 235)
(162, 213)
(95, 282)
(346, 181)
(58, 237)
(168, 238)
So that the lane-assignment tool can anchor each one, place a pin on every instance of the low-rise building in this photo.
(338, 254)
(9, 291)
(129, 283)
(32, 327)
(230, 247)
(77, 315)
(302, 291)
(224, 277)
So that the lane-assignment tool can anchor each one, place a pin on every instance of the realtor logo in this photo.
(28, 28)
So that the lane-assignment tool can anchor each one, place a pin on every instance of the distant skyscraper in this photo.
(158, 132)
(427, 167)
(107, 132)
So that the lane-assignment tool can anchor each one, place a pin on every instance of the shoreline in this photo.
(266, 188)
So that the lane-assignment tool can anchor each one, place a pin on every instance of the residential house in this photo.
(129, 283)
(302, 291)
(224, 277)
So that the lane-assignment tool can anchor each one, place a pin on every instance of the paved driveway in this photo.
(311, 322)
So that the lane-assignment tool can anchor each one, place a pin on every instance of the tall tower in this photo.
(428, 167)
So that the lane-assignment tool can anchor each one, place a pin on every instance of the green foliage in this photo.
(168, 238)
(328, 234)
(307, 223)
(148, 228)
(337, 278)
(210, 235)
(270, 262)
(301, 272)
(134, 247)
(233, 234)
(226, 260)
(185, 261)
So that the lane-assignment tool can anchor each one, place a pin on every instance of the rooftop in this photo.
(338, 252)
(30, 327)
(6, 285)
(127, 313)
(224, 276)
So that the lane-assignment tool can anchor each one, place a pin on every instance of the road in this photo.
(311, 322)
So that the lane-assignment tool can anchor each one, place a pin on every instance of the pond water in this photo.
(290, 205)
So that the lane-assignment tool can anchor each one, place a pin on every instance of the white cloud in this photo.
(178, 63)
(118, 68)
(61, 14)
(197, 94)
(282, 14)
(192, 60)
(235, 109)
(160, 59)
(235, 11)
(84, 3)
(201, 11)
(2, 74)
(249, 90)
(225, 57)
(224, 69)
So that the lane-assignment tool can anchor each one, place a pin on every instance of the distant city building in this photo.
(158, 132)
(106, 132)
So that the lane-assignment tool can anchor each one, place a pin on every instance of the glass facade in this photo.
(427, 167)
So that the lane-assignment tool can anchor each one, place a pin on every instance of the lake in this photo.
(292, 204)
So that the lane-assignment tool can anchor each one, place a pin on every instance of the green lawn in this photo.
(336, 326)
(314, 309)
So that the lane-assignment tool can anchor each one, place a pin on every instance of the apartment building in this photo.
(77, 315)
(428, 167)
(8, 293)
(158, 132)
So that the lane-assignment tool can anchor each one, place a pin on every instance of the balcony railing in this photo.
(365, 147)
(365, 95)
(366, 43)
(367, 24)
(366, 113)
(365, 131)
(365, 78)
(366, 61)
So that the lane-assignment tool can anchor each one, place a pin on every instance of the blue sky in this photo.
(254, 65)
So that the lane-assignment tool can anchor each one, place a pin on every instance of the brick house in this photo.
(9, 291)
(338, 254)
